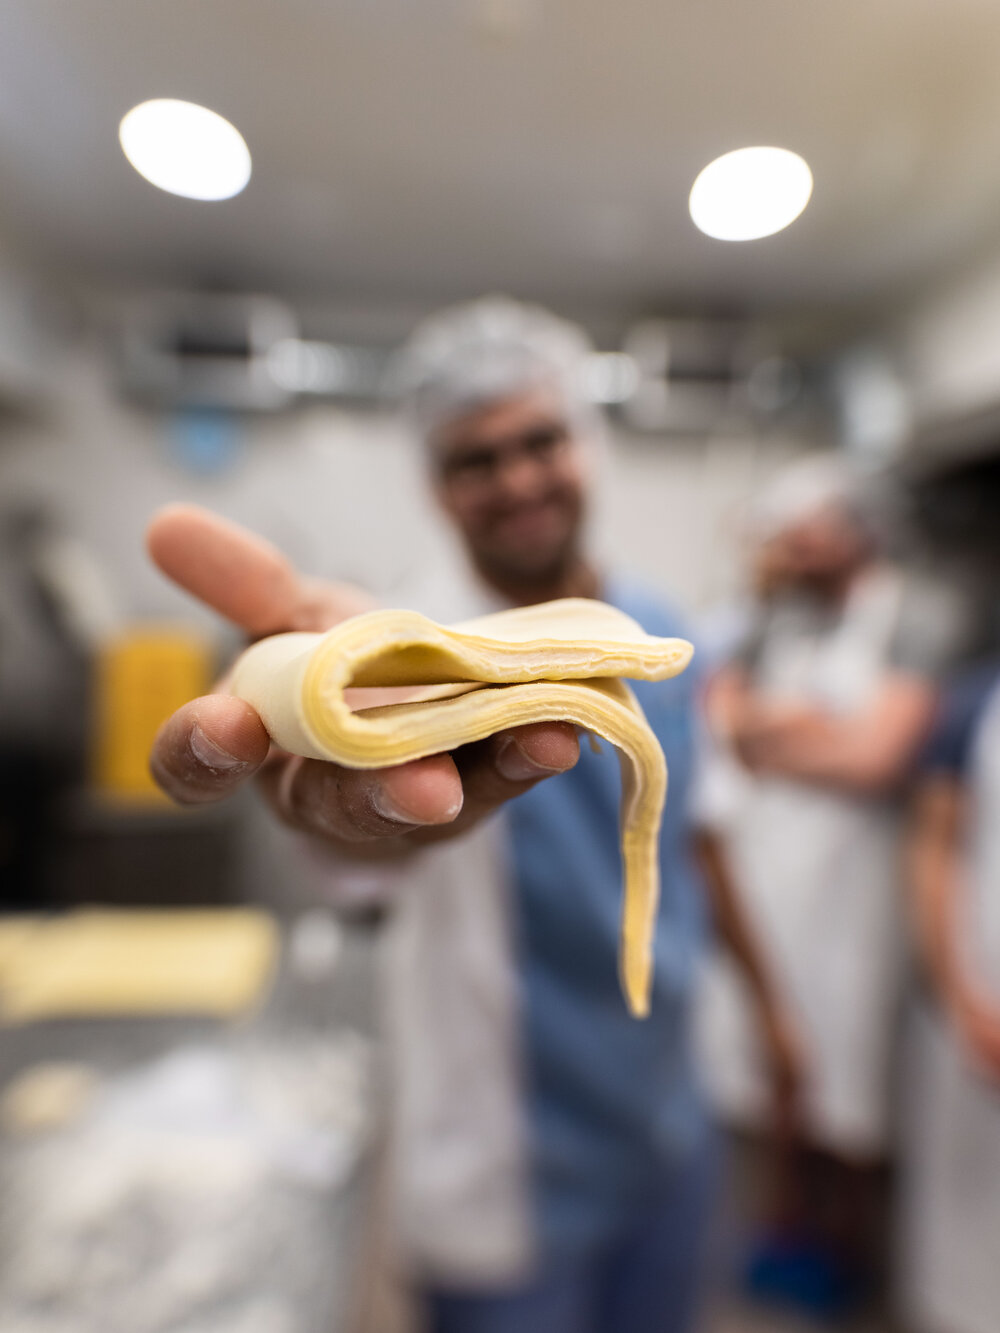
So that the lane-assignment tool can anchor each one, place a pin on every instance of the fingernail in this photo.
(211, 755)
(385, 806)
(514, 765)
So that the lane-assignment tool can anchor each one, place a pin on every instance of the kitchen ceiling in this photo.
(412, 151)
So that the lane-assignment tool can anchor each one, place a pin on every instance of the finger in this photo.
(243, 577)
(231, 570)
(208, 748)
(354, 805)
(429, 798)
(509, 763)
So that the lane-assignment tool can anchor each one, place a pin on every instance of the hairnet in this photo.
(468, 356)
(806, 487)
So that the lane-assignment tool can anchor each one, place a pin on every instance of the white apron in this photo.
(950, 1208)
(817, 870)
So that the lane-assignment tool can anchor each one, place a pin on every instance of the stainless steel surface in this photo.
(212, 1184)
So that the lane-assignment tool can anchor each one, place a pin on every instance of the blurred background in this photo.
(187, 1143)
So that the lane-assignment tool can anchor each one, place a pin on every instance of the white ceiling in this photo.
(411, 151)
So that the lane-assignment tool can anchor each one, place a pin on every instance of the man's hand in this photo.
(209, 748)
(767, 730)
(977, 1019)
(787, 1066)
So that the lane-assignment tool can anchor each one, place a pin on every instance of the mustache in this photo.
(553, 496)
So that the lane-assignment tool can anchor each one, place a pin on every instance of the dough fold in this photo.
(387, 687)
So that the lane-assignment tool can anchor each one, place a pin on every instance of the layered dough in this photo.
(390, 686)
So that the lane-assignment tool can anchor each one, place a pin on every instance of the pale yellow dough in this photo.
(103, 963)
(390, 686)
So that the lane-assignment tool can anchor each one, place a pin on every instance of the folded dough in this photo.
(390, 686)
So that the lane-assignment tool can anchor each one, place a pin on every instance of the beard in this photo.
(527, 569)
(522, 550)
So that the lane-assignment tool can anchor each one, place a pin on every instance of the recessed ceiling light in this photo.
(750, 193)
(185, 149)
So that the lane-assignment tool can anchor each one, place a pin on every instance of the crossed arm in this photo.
(866, 751)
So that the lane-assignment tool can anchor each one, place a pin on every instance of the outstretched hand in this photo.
(210, 747)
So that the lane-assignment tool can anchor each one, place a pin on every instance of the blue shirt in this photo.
(613, 1103)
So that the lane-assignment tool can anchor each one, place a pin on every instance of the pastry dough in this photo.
(391, 686)
(107, 963)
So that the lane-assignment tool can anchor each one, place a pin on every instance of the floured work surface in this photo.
(388, 687)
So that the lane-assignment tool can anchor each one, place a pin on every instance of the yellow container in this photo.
(141, 677)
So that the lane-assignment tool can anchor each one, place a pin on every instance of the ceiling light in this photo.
(750, 193)
(185, 149)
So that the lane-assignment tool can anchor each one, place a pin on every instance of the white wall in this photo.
(27, 334)
(674, 509)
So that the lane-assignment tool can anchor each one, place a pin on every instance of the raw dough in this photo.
(387, 687)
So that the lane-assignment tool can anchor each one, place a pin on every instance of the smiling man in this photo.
(512, 477)
(552, 1159)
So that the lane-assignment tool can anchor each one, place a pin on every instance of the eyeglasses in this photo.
(480, 465)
